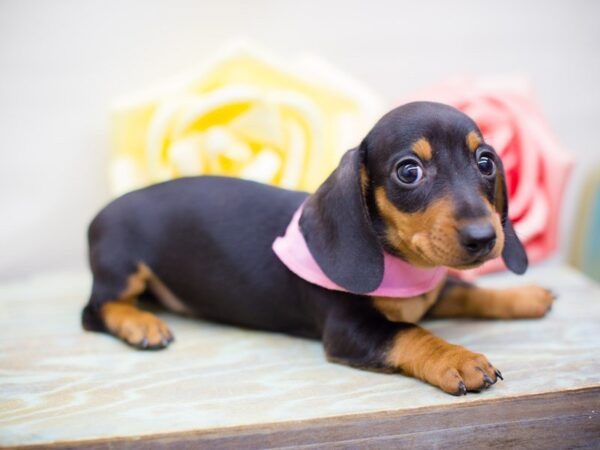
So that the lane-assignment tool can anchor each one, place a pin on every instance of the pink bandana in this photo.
(400, 279)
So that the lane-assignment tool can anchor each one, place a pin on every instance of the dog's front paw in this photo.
(452, 368)
(530, 302)
(458, 371)
(139, 329)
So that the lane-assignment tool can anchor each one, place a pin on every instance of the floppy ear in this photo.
(336, 226)
(513, 254)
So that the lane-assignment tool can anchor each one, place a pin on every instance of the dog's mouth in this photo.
(474, 261)
(472, 264)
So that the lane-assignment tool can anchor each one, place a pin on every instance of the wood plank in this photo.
(568, 419)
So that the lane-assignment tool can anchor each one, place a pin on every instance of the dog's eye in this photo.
(409, 172)
(486, 165)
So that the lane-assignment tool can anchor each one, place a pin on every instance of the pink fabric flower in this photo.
(536, 165)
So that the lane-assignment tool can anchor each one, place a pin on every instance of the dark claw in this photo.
(164, 341)
(488, 380)
(144, 343)
(462, 389)
(499, 374)
(158, 346)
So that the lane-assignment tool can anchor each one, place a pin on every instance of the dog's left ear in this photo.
(338, 231)
(513, 254)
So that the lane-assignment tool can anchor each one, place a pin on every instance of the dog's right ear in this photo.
(338, 231)
(513, 253)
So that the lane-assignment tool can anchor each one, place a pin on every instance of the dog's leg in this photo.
(367, 340)
(114, 310)
(459, 299)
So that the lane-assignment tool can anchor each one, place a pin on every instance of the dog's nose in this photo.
(478, 238)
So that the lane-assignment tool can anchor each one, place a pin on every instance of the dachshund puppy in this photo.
(356, 264)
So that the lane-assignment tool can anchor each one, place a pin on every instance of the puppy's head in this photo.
(423, 185)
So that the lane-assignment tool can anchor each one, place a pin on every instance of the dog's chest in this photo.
(410, 309)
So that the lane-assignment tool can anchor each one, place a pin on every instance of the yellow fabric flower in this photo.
(245, 115)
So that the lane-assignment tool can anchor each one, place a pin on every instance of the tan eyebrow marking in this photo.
(473, 140)
(423, 149)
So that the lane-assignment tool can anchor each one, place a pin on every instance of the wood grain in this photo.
(568, 419)
(228, 387)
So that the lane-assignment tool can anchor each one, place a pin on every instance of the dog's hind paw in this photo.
(139, 329)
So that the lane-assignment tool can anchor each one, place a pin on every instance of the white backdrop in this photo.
(63, 62)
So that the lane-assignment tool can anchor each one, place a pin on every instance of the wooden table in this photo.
(220, 386)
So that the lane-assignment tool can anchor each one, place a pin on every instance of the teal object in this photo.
(586, 249)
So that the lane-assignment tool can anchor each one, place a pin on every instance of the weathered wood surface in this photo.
(220, 384)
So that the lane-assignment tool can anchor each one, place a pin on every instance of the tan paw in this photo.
(454, 369)
(529, 302)
(459, 370)
(138, 328)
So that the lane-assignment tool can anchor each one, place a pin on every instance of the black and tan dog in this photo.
(423, 185)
